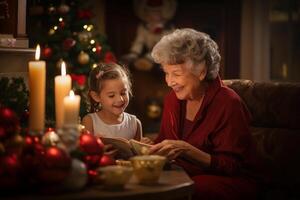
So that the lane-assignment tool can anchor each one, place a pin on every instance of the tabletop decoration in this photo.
(62, 88)
(115, 177)
(148, 168)
(37, 87)
(47, 163)
(71, 106)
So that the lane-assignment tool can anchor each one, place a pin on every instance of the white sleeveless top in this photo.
(126, 129)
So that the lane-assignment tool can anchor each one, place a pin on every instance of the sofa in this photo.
(275, 125)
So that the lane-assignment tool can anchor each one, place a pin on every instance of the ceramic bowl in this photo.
(115, 177)
(147, 168)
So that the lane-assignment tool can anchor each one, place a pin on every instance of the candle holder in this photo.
(37, 133)
(69, 135)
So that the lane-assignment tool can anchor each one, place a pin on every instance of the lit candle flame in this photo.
(71, 94)
(63, 68)
(37, 52)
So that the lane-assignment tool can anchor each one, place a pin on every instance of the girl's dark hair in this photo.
(106, 71)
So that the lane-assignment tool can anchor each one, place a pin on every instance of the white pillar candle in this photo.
(37, 86)
(71, 109)
(62, 89)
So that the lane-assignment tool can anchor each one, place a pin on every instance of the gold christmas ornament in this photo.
(154, 110)
(83, 58)
(63, 9)
(51, 31)
(51, 10)
(84, 36)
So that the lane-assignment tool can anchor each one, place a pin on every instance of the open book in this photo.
(127, 148)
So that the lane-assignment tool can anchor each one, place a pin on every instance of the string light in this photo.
(94, 65)
(94, 49)
(92, 41)
(85, 26)
(60, 19)
(90, 27)
(55, 27)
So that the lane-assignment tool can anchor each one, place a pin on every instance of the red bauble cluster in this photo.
(9, 171)
(94, 158)
(92, 147)
(10, 145)
(90, 144)
(54, 165)
(32, 150)
(9, 123)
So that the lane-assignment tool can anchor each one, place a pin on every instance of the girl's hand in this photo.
(170, 148)
(146, 140)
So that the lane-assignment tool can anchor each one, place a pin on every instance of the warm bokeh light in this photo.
(37, 52)
(63, 68)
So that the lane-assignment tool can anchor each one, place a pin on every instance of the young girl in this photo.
(109, 92)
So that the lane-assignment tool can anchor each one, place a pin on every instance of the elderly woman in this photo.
(205, 125)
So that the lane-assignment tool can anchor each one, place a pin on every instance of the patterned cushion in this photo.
(275, 109)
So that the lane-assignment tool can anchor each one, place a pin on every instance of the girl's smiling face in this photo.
(114, 96)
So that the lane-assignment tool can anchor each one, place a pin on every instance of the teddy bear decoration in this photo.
(155, 16)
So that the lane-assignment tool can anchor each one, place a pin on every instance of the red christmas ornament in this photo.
(91, 144)
(14, 144)
(54, 165)
(9, 123)
(107, 160)
(68, 44)
(62, 24)
(32, 149)
(84, 14)
(9, 170)
(80, 80)
(92, 175)
(109, 57)
(92, 161)
(98, 49)
(47, 52)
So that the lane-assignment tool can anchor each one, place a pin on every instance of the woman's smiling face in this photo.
(185, 84)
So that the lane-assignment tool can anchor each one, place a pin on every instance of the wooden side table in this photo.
(173, 184)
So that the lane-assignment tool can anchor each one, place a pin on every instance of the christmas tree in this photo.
(69, 36)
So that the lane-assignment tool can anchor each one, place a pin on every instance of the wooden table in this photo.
(173, 184)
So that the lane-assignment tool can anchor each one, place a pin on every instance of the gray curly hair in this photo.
(188, 46)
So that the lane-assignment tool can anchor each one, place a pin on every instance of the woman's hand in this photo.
(146, 140)
(170, 148)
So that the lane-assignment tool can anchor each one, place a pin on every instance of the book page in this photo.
(122, 144)
(139, 147)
